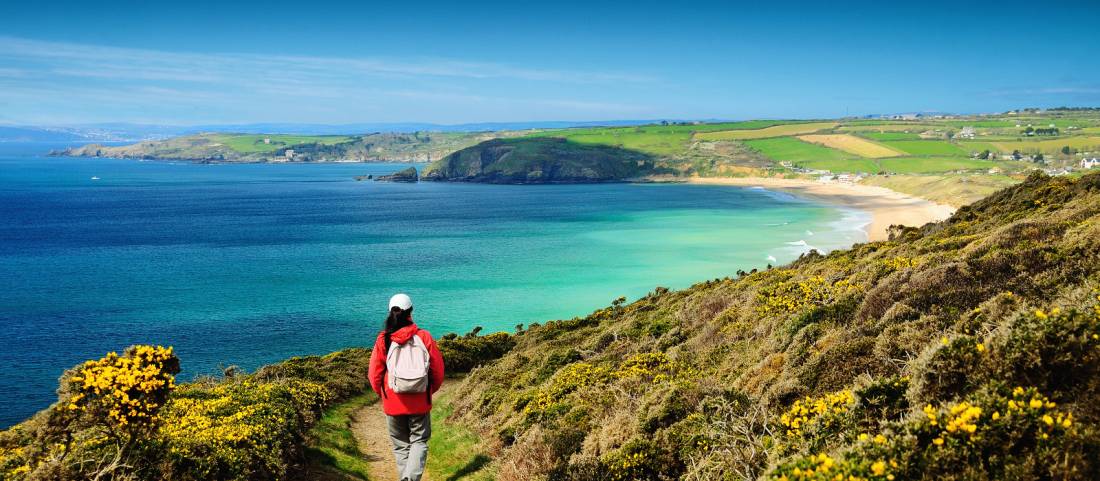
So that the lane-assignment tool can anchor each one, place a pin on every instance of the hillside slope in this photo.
(539, 160)
(221, 147)
(967, 349)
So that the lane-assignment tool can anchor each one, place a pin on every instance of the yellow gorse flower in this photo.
(810, 409)
(129, 389)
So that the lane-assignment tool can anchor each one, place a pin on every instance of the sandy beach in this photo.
(886, 206)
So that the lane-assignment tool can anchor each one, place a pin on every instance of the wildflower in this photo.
(938, 441)
(980, 347)
(878, 468)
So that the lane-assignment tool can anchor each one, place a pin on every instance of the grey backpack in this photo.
(407, 365)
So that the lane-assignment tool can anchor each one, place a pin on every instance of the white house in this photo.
(967, 133)
(1090, 163)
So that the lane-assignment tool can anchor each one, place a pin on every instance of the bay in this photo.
(250, 264)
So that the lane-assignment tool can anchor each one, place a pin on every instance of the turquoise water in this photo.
(249, 264)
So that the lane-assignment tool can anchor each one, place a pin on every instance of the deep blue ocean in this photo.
(250, 264)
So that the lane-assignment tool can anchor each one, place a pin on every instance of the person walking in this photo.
(406, 369)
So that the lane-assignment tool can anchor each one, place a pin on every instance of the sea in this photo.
(248, 264)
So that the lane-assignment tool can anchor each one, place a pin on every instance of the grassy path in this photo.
(351, 443)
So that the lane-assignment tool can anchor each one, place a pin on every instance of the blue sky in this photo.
(201, 62)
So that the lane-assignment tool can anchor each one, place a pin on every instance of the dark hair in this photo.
(396, 319)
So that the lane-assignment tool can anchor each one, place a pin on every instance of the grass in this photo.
(1050, 146)
(980, 123)
(790, 149)
(880, 136)
(332, 448)
(853, 144)
(889, 127)
(810, 156)
(662, 140)
(248, 143)
(454, 452)
(925, 147)
(767, 132)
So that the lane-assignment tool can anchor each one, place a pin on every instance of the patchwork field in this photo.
(913, 127)
(791, 149)
(1050, 146)
(255, 143)
(811, 156)
(774, 131)
(853, 144)
(880, 136)
(926, 147)
(662, 140)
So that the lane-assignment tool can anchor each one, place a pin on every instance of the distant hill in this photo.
(539, 160)
(218, 147)
(30, 134)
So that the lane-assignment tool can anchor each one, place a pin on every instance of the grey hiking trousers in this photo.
(410, 434)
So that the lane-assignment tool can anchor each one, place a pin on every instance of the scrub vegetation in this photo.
(123, 417)
(967, 349)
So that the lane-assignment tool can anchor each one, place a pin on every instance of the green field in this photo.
(985, 123)
(926, 147)
(1050, 146)
(663, 140)
(889, 135)
(248, 143)
(892, 127)
(767, 132)
(810, 156)
(793, 150)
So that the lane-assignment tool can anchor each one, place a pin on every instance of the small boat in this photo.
(95, 177)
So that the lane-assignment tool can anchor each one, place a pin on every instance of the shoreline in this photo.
(886, 207)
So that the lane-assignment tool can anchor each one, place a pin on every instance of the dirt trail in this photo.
(369, 427)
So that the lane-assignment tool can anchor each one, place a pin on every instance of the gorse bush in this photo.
(237, 430)
(967, 350)
(123, 417)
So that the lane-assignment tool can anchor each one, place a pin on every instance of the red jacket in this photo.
(395, 404)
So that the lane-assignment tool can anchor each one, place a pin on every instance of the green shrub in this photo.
(463, 354)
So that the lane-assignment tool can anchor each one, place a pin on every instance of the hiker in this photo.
(406, 369)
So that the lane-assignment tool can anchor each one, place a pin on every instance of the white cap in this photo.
(401, 300)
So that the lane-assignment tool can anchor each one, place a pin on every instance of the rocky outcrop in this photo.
(539, 161)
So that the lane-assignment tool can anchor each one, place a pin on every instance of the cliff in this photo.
(539, 161)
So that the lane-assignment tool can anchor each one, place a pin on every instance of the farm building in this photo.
(1090, 163)
(966, 133)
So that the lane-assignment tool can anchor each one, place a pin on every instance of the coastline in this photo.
(886, 207)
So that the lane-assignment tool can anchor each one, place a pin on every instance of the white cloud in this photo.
(254, 87)
(80, 60)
